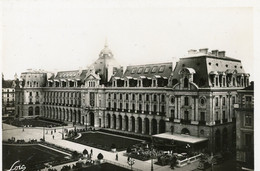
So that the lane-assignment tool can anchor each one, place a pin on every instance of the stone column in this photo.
(197, 109)
(179, 107)
(176, 107)
(150, 127)
(221, 112)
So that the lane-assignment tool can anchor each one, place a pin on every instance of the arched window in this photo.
(186, 82)
(37, 110)
(30, 111)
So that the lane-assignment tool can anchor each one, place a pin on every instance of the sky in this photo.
(69, 34)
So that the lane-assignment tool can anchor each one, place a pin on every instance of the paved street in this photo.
(37, 133)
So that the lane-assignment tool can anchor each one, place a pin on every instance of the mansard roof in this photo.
(148, 70)
(206, 65)
(7, 83)
(71, 75)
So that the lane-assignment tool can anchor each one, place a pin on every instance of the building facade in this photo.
(245, 127)
(8, 97)
(194, 96)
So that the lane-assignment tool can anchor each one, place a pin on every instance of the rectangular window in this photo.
(186, 115)
(224, 101)
(216, 101)
(216, 115)
(154, 97)
(147, 97)
(155, 108)
(114, 96)
(140, 97)
(133, 97)
(120, 96)
(92, 99)
(163, 98)
(202, 116)
(186, 101)
(126, 96)
(248, 120)
(172, 113)
(140, 107)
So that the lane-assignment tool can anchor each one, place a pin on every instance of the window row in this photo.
(139, 97)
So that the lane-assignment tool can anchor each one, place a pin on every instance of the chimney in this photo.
(221, 53)
(205, 50)
(214, 52)
(192, 51)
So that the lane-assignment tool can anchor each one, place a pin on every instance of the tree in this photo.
(113, 146)
(128, 150)
(100, 156)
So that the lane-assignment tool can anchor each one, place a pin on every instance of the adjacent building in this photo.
(192, 97)
(8, 97)
(245, 127)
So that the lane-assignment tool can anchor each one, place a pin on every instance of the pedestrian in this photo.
(91, 152)
(128, 159)
(54, 130)
(51, 132)
(53, 137)
(116, 156)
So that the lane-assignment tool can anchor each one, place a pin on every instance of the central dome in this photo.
(105, 52)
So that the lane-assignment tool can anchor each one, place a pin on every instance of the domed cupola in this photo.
(106, 52)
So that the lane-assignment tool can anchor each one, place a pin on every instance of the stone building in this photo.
(8, 97)
(244, 110)
(194, 96)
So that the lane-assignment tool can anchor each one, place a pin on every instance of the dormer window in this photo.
(146, 70)
(140, 70)
(161, 69)
(154, 69)
(133, 70)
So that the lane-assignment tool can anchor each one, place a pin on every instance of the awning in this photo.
(62, 80)
(50, 80)
(56, 80)
(181, 138)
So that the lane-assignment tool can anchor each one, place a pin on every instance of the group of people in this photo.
(52, 133)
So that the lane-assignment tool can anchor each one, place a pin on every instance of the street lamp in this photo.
(131, 162)
(152, 154)
(43, 136)
(63, 132)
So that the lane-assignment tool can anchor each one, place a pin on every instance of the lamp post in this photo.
(43, 132)
(63, 132)
(152, 154)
